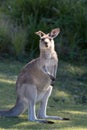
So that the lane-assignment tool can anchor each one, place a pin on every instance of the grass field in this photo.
(69, 97)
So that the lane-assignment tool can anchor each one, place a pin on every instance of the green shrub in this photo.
(12, 37)
(5, 39)
(19, 36)
(69, 15)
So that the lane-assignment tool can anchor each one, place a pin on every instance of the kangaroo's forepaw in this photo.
(52, 77)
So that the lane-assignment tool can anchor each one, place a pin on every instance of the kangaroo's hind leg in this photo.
(32, 97)
(43, 105)
(42, 110)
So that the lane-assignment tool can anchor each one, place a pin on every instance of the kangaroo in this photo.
(34, 82)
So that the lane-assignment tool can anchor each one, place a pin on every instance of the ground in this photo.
(68, 99)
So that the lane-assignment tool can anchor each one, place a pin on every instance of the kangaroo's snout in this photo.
(46, 44)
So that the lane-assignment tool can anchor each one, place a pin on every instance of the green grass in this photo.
(65, 101)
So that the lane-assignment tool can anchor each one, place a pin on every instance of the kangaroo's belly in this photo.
(42, 94)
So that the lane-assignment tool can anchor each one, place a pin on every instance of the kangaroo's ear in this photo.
(54, 32)
(40, 33)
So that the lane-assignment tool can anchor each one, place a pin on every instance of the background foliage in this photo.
(19, 19)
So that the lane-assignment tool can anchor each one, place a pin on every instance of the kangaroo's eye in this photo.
(42, 39)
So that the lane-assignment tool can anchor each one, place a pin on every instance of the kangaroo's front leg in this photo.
(45, 70)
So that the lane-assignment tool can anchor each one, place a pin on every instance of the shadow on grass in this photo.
(77, 115)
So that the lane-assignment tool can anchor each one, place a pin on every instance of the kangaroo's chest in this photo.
(51, 60)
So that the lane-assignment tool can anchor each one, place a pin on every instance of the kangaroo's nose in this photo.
(46, 44)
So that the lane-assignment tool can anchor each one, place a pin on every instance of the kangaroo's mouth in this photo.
(46, 44)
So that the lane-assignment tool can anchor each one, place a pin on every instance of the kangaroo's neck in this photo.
(46, 54)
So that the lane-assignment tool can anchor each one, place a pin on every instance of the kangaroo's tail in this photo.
(16, 110)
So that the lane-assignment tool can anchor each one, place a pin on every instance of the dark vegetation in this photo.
(19, 19)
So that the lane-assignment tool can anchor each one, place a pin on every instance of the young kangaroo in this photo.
(34, 81)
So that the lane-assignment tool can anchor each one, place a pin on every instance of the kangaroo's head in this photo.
(47, 40)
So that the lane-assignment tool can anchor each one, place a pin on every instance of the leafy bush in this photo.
(19, 40)
(69, 15)
(5, 39)
(12, 37)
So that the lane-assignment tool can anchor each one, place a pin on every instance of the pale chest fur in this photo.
(51, 59)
